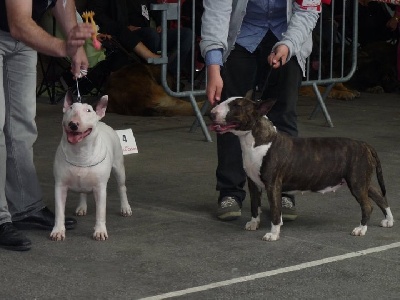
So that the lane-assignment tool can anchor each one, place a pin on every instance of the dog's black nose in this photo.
(73, 126)
(212, 116)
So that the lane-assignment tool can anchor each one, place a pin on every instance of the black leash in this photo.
(266, 82)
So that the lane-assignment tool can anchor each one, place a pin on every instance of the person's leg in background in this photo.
(238, 74)
(184, 49)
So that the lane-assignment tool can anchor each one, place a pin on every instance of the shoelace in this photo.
(228, 202)
(286, 202)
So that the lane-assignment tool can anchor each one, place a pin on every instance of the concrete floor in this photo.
(173, 245)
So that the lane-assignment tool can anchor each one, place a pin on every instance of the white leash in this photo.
(82, 73)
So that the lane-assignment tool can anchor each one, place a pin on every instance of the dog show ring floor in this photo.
(174, 247)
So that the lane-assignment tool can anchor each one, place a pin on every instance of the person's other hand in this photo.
(214, 84)
(76, 38)
(279, 56)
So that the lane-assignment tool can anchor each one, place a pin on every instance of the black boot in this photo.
(12, 239)
(43, 219)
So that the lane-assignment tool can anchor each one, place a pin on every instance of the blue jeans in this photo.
(20, 192)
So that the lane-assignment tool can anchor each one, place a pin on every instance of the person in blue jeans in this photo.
(241, 42)
(21, 203)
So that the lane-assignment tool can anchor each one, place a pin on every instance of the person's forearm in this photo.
(24, 29)
(142, 51)
(65, 16)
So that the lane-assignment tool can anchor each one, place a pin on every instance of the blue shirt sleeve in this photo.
(214, 57)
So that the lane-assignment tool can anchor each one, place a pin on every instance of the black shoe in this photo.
(289, 212)
(228, 209)
(12, 239)
(43, 219)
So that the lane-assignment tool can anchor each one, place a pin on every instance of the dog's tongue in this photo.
(221, 128)
(75, 137)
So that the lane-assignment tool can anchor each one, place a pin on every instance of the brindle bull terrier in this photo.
(280, 163)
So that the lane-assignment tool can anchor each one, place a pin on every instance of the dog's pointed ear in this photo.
(101, 106)
(68, 100)
(264, 106)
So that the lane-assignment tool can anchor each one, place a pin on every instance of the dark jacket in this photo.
(112, 18)
(137, 15)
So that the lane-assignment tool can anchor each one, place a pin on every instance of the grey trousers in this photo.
(20, 192)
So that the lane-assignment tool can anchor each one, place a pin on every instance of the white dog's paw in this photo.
(57, 234)
(253, 224)
(359, 231)
(387, 223)
(270, 237)
(81, 210)
(100, 233)
(126, 211)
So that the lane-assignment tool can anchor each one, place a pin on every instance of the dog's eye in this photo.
(88, 110)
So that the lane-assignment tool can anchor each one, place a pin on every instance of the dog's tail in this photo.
(378, 169)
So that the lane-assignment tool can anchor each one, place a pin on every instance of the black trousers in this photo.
(242, 72)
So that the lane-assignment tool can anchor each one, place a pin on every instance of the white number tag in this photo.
(128, 142)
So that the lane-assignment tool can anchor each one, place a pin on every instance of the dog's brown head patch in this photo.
(238, 113)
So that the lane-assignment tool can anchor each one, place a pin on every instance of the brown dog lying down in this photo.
(135, 90)
(279, 163)
(339, 91)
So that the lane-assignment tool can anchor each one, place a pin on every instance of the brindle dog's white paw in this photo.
(57, 234)
(253, 224)
(387, 223)
(359, 231)
(270, 237)
(126, 211)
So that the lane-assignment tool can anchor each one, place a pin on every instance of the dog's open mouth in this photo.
(75, 137)
(221, 128)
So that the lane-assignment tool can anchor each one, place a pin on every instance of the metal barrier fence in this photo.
(326, 66)
(333, 44)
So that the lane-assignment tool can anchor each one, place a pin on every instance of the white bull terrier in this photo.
(88, 151)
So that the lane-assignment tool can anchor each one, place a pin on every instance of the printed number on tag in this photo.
(127, 140)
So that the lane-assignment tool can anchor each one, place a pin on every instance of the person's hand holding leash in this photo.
(214, 84)
(74, 43)
(279, 56)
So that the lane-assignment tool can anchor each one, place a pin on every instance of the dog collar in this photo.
(82, 164)
(85, 166)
